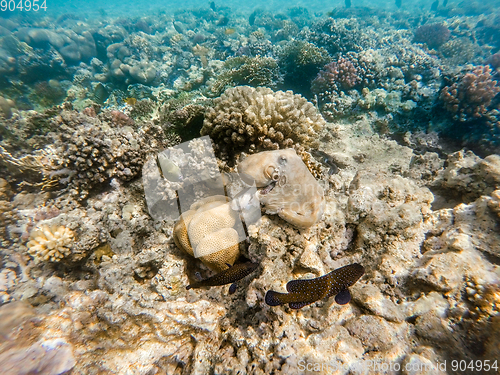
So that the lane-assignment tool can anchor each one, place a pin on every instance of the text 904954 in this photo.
(23, 5)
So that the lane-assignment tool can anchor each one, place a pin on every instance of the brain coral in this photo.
(50, 243)
(251, 119)
(209, 231)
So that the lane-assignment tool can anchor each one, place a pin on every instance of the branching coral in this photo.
(434, 35)
(494, 61)
(244, 70)
(248, 119)
(471, 96)
(340, 35)
(299, 62)
(50, 243)
(337, 75)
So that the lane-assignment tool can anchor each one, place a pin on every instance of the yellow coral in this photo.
(209, 231)
(484, 297)
(50, 243)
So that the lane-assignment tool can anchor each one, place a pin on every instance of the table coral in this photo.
(290, 189)
(248, 119)
(50, 243)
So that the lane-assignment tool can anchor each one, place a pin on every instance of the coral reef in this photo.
(73, 47)
(128, 305)
(87, 151)
(400, 196)
(299, 62)
(336, 76)
(50, 244)
(244, 70)
(471, 96)
(434, 35)
(248, 119)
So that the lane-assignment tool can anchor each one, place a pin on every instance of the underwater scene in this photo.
(265, 187)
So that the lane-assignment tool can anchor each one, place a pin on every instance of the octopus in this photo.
(288, 188)
(304, 292)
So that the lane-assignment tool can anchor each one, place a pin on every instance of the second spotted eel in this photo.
(304, 292)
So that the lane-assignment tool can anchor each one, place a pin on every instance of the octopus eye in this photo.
(276, 176)
(270, 172)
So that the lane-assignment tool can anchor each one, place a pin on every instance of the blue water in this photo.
(125, 8)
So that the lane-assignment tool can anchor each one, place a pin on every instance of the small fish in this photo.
(445, 3)
(347, 3)
(212, 6)
(100, 93)
(168, 169)
(179, 27)
(398, 3)
(326, 159)
(228, 276)
(434, 6)
(229, 31)
(304, 292)
(131, 101)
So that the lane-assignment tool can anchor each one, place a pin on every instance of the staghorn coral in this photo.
(248, 119)
(434, 35)
(461, 51)
(470, 97)
(290, 190)
(50, 243)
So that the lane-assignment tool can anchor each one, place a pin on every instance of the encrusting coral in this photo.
(290, 190)
(248, 119)
(50, 243)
